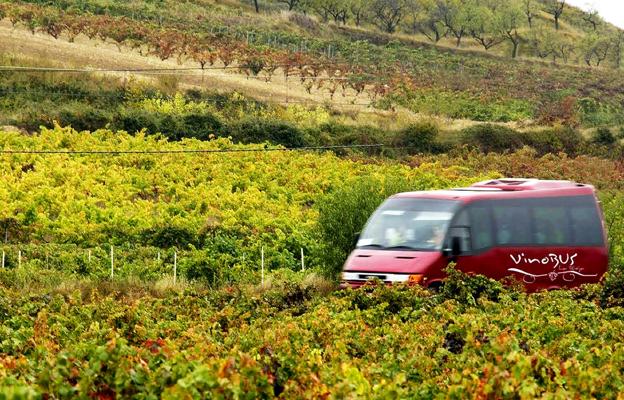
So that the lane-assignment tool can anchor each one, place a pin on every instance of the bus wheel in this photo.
(435, 286)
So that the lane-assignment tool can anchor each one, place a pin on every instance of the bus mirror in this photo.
(455, 246)
(356, 238)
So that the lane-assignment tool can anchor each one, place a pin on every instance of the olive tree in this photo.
(388, 14)
(484, 25)
(555, 8)
(455, 16)
(423, 18)
(511, 22)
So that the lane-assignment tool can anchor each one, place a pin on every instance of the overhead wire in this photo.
(188, 151)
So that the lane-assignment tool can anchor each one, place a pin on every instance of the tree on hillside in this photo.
(329, 8)
(592, 18)
(338, 9)
(484, 25)
(359, 10)
(617, 43)
(564, 47)
(549, 43)
(423, 18)
(555, 8)
(511, 18)
(454, 15)
(530, 9)
(387, 14)
(292, 4)
(595, 48)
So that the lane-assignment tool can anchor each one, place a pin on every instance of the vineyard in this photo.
(165, 238)
(388, 75)
(69, 330)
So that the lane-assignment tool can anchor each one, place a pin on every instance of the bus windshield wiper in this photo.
(374, 245)
(401, 247)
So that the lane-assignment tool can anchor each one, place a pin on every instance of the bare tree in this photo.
(555, 8)
(595, 48)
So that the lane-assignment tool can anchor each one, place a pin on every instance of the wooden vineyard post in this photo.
(112, 262)
(175, 266)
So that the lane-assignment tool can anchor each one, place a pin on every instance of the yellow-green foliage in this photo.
(254, 198)
(178, 105)
(301, 115)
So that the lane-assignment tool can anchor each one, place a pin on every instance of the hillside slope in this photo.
(342, 65)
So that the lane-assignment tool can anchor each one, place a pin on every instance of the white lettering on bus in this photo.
(557, 259)
(562, 266)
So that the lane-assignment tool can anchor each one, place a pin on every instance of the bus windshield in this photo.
(408, 223)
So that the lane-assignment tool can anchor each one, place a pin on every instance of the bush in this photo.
(554, 140)
(84, 118)
(604, 136)
(468, 289)
(258, 130)
(491, 138)
(418, 138)
(344, 212)
(201, 126)
(168, 236)
(172, 126)
(133, 120)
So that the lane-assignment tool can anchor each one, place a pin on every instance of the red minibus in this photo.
(548, 234)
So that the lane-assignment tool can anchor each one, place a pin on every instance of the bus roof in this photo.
(507, 188)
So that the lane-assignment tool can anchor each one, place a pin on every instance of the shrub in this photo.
(467, 289)
(344, 212)
(491, 138)
(169, 236)
(84, 118)
(418, 138)
(133, 120)
(176, 127)
(604, 136)
(258, 130)
(554, 140)
(559, 111)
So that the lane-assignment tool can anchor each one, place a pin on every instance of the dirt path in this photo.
(88, 53)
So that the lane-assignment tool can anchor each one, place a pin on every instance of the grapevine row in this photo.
(313, 71)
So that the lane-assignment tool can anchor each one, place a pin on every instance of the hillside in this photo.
(345, 64)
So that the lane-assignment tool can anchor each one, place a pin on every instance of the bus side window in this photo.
(461, 229)
(550, 225)
(512, 223)
(481, 223)
(586, 226)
